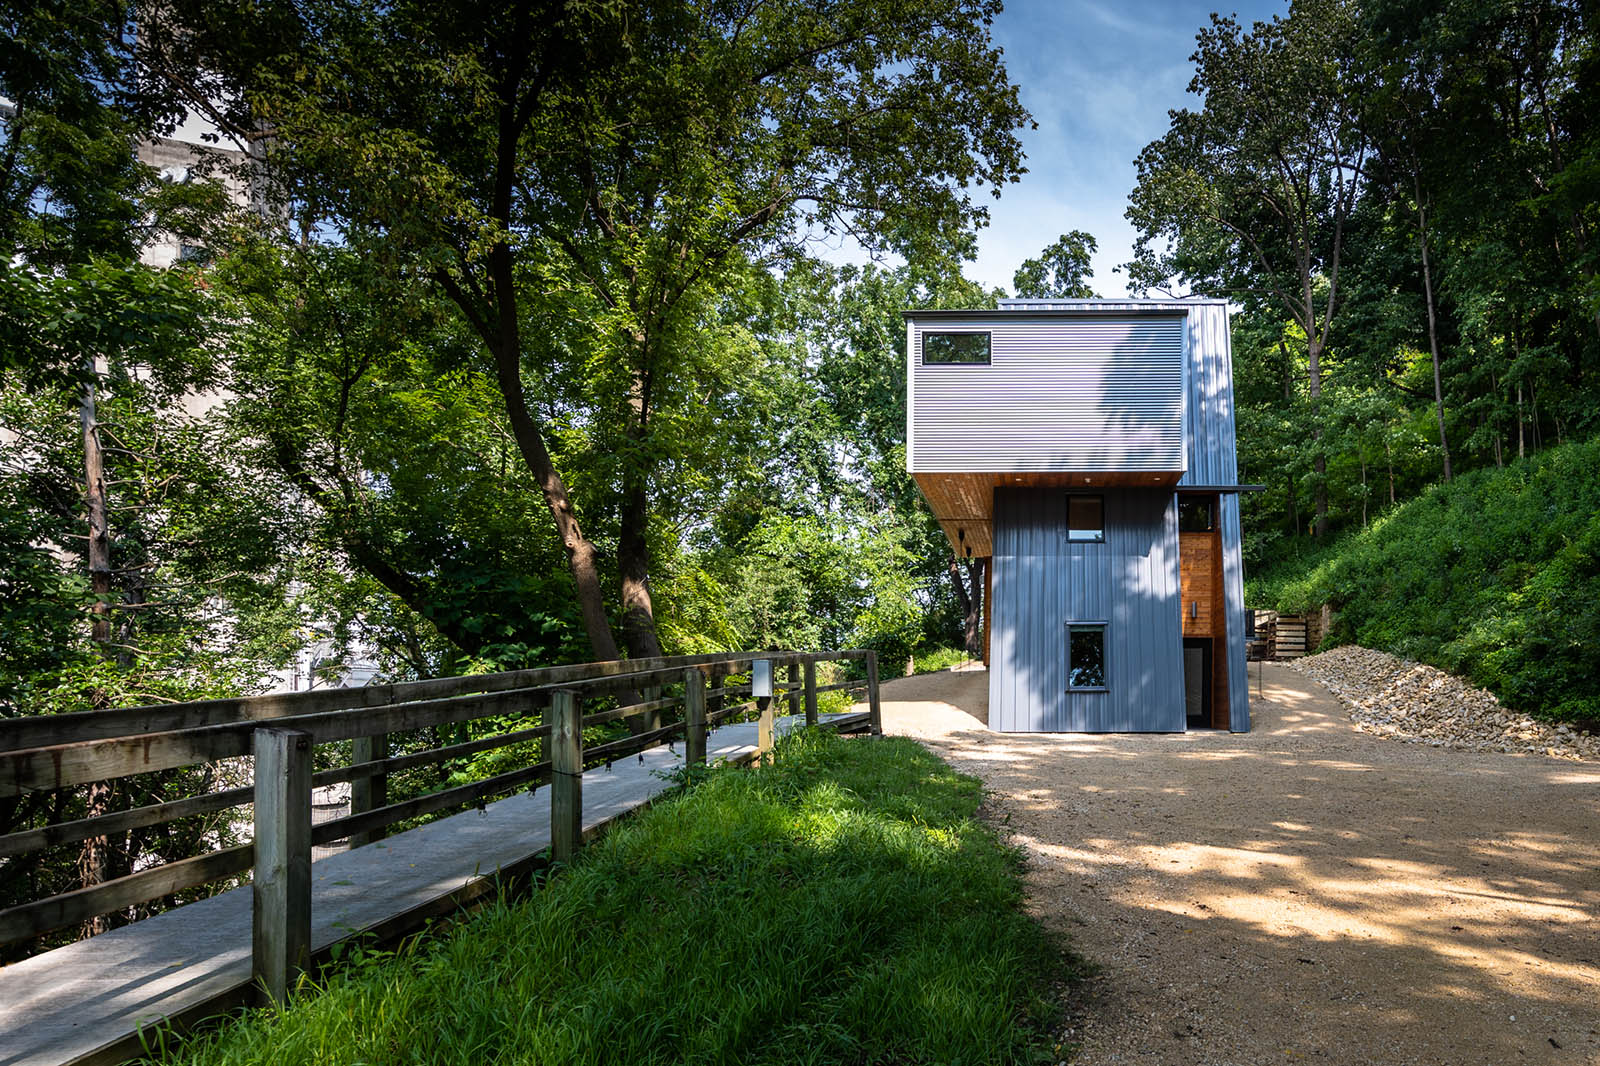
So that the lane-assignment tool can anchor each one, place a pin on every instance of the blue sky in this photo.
(1099, 77)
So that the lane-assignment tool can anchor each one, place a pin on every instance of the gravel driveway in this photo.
(1301, 892)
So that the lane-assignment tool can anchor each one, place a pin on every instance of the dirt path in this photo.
(1302, 892)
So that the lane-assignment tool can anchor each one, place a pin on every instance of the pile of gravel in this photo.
(1419, 704)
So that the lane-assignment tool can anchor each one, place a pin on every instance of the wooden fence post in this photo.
(874, 708)
(280, 891)
(694, 717)
(566, 774)
(651, 719)
(369, 793)
(764, 728)
(793, 681)
(811, 692)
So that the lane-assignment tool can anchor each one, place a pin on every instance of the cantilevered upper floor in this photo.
(1079, 393)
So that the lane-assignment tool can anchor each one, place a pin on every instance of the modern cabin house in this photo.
(1086, 449)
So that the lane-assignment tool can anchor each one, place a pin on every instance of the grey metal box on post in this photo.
(761, 689)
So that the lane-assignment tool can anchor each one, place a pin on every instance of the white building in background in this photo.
(196, 152)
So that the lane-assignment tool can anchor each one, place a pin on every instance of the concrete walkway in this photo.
(1303, 892)
(84, 1003)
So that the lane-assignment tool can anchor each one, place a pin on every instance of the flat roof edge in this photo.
(1168, 309)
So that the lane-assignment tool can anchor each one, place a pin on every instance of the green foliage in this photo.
(1061, 271)
(842, 905)
(932, 660)
(1494, 576)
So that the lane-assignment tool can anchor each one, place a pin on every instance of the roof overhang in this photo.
(963, 504)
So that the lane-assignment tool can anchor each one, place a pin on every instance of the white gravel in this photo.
(1303, 892)
(1419, 704)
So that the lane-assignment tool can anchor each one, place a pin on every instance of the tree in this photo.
(1250, 196)
(612, 163)
(139, 552)
(1061, 272)
(853, 327)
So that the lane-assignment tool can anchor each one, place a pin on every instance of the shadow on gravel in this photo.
(1308, 891)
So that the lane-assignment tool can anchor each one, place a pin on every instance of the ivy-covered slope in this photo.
(1494, 576)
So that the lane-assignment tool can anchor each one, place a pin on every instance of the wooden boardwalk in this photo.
(84, 1003)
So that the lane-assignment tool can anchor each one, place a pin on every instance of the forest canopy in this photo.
(500, 334)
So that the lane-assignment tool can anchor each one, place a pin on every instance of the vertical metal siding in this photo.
(1213, 460)
(1233, 598)
(1208, 404)
(1087, 392)
(1043, 581)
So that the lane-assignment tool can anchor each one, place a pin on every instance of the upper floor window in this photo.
(955, 348)
(1086, 519)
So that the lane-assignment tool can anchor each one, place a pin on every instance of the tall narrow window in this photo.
(955, 348)
(1086, 518)
(1086, 656)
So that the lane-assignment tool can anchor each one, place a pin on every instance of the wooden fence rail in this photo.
(280, 734)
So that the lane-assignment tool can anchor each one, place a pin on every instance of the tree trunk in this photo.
(493, 311)
(1522, 449)
(971, 604)
(582, 557)
(1433, 334)
(633, 560)
(1388, 455)
(1363, 491)
(639, 631)
(92, 854)
(94, 478)
(1319, 462)
(505, 345)
(974, 620)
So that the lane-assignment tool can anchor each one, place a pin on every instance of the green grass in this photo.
(1495, 576)
(933, 660)
(840, 906)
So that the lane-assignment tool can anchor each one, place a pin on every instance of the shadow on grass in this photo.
(839, 906)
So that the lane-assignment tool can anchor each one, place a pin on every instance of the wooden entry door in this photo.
(1200, 582)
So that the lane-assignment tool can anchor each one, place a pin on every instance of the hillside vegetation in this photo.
(1495, 576)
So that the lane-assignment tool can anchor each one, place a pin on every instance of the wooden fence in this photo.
(1285, 636)
(280, 733)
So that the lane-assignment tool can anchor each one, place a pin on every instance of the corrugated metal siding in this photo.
(1042, 582)
(1093, 392)
(1213, 460)
(1233, 597)
(1209, 401)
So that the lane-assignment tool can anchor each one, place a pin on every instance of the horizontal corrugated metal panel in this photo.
(1100, 392)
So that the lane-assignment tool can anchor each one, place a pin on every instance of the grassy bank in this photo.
(1495, 576)
(839, 906)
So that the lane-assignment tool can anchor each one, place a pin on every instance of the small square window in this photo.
(1086, 656)
(1196, 514)
(1086, 519)
(955, 348)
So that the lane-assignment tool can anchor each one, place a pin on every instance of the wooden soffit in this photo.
(964, 503)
